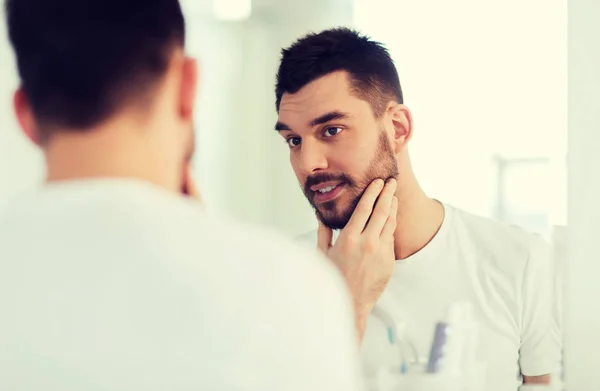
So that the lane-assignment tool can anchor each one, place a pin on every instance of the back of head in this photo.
(372, 73)
(81, 60)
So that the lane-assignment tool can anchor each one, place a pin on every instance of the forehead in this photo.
(329, 93)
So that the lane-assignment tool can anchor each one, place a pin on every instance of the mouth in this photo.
(327, 191)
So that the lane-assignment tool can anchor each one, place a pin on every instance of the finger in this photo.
(382, 210)
(390, 225)
(363, 210)
(325, 235)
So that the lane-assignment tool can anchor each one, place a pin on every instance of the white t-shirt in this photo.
(118, 285)
(504, 272)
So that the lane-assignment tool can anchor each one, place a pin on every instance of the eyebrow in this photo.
(279, 126)
(328, 117)
(323, 119)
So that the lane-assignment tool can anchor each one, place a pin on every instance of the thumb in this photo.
(325, 237)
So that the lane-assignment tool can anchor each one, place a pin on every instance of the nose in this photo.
(312, 157)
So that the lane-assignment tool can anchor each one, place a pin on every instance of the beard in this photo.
(334, 215)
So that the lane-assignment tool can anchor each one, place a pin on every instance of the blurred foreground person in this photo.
(111, 279)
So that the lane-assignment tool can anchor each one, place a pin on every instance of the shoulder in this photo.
(311, 238)
(494, 234)
(253, 249)
(509, 247)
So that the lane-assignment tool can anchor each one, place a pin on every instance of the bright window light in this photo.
(232, 10)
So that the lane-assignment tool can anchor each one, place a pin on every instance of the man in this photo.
(110, 279)
(341, 111)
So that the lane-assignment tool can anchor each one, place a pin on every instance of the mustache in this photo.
(313, 180)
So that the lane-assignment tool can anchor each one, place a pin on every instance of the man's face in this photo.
(337, 146)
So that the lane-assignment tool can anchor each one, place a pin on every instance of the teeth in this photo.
(327, 189)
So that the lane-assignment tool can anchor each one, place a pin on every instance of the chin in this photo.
(334, 225)
(335, 221)
(336, 214)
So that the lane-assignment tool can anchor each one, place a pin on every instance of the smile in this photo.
(327, 189)
(327, 192)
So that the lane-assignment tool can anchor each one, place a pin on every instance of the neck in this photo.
(112, 151)
(419, 217)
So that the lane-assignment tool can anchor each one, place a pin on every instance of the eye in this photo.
(293, 141)
(332, 131)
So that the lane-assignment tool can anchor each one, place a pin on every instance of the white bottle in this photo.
(463, 339)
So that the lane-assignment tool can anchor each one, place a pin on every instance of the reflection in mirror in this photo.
(472, 295)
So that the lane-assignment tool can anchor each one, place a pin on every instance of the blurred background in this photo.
(486, 81)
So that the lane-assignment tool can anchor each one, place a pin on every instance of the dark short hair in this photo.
(373, 76)
(80, 60)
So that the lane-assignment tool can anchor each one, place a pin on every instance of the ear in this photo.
(402, 124)
(189, 81)
(25, 117)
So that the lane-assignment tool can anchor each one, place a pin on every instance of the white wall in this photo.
(483, 78)
(582, 308)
